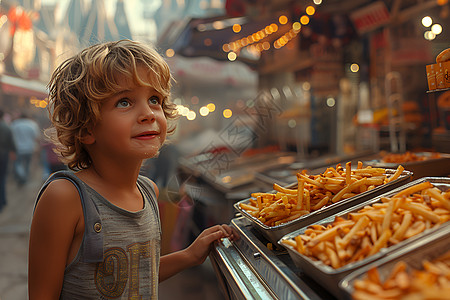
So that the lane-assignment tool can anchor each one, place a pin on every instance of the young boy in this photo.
(109, 106)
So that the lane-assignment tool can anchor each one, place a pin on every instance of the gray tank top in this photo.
(119, 255)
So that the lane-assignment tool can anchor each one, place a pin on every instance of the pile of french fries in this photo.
(380, 225)
(315, 191)
(433, 282)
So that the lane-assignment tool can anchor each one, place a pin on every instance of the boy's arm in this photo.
(58, 218)
(195, 254)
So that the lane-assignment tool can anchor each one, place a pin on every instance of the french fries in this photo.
(432, 282)
(314, 192)
(375, 226)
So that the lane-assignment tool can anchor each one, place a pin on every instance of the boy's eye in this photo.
(154, 100)
(123, 103)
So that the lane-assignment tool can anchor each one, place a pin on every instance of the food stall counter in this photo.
(253, 268)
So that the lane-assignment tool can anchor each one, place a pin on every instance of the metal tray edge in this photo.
(271, 232)
(323, 273)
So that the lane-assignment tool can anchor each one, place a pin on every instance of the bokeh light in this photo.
(170, 53)
(427, 21)
(304, 20)
(436, 29)
(191, 115)
(354, 68)
(310, 10)
(232, 56)
(204, 111)
(283, 19)
(227, 113)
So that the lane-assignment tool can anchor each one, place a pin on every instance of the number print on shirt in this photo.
(136, 251)
(112, 274)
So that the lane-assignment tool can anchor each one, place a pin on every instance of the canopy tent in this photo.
(21, 87)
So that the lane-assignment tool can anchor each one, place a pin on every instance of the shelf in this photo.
(438, 90)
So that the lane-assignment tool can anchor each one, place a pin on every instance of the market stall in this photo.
(257, 267)
(350, 83)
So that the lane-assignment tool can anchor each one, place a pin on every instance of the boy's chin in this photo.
(151, 153)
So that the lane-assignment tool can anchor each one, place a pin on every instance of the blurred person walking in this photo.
(26, 134)
(7, 150)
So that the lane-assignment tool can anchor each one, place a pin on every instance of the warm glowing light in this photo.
(266, 45)
(306, 86)
(182, 110)
(204, 111)
(191, 115)
(237, 28)
(170, 53)
(211, 107)
(331, 102)
(296, 26)
(218, 25)
(429, 35)
(310, 10)
(227, 113)
(304, 20)
(292, 123)
(283, 19)
(317, 2)
(185, 111)
(232, 56)
(436, 29)
(442, 2)
(427, 21)
(354, 68)
(226, 48)
(226, 179)
(274, 27)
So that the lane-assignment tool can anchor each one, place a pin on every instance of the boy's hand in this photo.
(199, 249)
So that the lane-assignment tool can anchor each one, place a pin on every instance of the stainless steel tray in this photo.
(285, 174)
(330, 277)
(427, 248)
(274, 233)
(226, 172)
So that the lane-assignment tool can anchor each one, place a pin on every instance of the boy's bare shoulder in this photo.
(60, 196)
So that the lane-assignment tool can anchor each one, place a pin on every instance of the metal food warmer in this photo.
(253, 267)
(248, 269)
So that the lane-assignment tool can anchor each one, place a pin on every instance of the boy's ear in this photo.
(87, 137)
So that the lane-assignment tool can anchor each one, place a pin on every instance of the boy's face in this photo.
(132, 125)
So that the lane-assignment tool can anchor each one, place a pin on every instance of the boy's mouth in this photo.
(147, 135)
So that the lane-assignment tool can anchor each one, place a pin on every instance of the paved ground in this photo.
(197, 283)
(15, 221)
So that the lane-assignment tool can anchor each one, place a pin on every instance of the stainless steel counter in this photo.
(250, 270)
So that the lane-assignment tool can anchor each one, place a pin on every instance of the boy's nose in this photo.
(146, 114)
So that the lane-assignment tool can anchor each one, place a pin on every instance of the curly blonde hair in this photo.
(81, 83)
